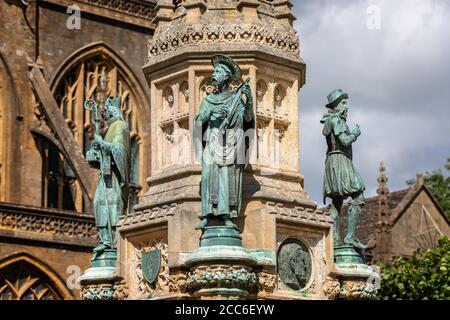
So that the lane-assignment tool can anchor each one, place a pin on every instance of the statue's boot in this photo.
(334, 214)
(202, 225)
(100, 248)
(354, 212)
(105, 241)
(355, 243)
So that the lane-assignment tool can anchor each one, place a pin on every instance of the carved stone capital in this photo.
(222, 277)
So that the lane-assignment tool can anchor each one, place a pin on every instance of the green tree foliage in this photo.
(439, 185)
(424, 276)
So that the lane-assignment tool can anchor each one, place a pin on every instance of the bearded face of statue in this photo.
(342, 108)
(221, 75)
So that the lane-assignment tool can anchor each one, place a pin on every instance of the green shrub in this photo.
(424, 276)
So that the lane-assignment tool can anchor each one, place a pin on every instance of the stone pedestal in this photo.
(221, 268)
(356, 279)
(102, 283)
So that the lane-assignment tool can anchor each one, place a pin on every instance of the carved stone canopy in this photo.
(221, 26)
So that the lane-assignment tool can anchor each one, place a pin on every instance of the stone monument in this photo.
(274, 242)
(341, 181)
(227, 116)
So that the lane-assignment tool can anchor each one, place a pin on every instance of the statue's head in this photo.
(297, 262)
(293, 266)
(221, 75)
(113, 109)
(226, 70)
(342, 108)
(338, 102)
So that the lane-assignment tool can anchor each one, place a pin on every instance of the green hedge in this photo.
(424, 276)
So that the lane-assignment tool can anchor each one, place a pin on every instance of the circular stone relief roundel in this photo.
(294, 264)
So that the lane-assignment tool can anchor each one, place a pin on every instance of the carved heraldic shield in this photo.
(151, 264)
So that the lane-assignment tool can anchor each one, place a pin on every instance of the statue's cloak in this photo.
(341, 179)
(111, 196)
(224, 156)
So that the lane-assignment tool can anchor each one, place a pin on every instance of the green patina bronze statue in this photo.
(225, 116)
(341, 179)
(111, 155)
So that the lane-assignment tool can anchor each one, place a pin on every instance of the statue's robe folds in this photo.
(224, 156)
(341, 178)
(111, 195)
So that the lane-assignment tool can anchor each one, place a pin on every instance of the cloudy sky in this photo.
(397, 77)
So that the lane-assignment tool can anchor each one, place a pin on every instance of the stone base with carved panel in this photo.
(353, 278)
(286, 237)
(102, 283)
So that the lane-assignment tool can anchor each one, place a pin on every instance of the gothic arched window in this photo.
(58, 179)
(98, 77)
(23, 277)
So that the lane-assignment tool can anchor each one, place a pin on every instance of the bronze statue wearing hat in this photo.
(341, 179)
(225, 115)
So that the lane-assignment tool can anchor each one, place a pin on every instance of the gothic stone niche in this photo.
(173, 119)
(294, 264)
(273, 112)
(203, 84)
(205, 87)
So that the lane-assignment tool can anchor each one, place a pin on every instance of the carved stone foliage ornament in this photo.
(267, 282)
(98, 292)
(358, 289)
(48, 224)
(152, 268)
(331, 288)
(116, 290)
(183, 35)
(294, 264)
(222, 276)
(120, 290)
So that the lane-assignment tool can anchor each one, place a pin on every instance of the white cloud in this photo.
(398, 79)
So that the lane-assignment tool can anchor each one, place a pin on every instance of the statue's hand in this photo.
(356, 131)
(98, 139)
(247, 91)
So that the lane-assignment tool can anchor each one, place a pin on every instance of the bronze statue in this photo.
(341, 179)
(226, 116)
(111, 155)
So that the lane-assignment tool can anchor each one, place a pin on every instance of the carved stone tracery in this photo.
(47, 223)
(181, 35)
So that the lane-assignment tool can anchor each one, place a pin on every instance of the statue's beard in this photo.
(219, 82)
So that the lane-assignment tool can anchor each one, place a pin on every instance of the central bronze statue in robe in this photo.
(225, 116)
